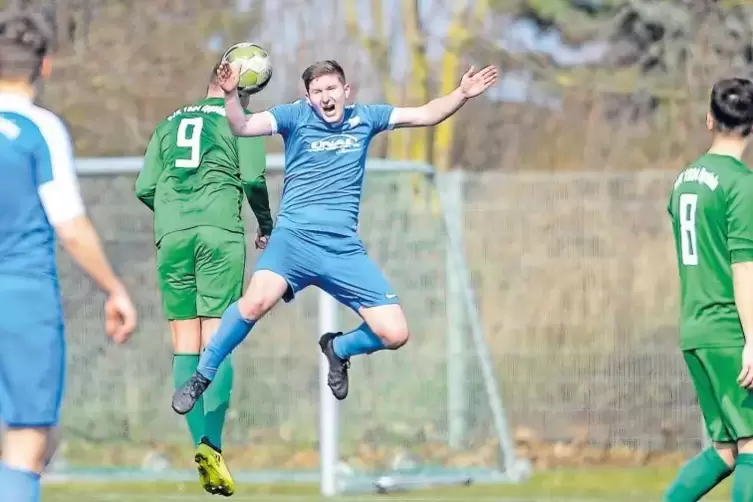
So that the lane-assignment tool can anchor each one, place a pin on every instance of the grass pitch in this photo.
(614, 485)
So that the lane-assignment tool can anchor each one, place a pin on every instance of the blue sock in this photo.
(232, 331)
(18, 486)
(359, 341)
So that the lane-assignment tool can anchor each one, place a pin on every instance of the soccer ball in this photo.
(255, 66)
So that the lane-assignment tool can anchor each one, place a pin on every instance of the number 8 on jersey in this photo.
(688, 239)
(711, 207)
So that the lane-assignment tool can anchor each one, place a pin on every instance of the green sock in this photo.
(698, 477)
(742, 485)
(184, 366)
(217, 402)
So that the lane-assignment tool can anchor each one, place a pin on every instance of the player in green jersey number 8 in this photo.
(711, 208)
(195, 174)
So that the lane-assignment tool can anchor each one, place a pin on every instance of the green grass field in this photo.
(614, 485)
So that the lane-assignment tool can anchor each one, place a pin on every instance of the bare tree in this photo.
(131, 63)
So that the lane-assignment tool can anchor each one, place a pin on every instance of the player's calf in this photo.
(702, 473)
(742, 486)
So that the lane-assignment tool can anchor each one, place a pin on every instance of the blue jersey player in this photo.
(39, 198)
(315, 241)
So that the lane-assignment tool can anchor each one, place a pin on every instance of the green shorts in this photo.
(727, 408)
(200, 271)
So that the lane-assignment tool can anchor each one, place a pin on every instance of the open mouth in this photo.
(328, 108)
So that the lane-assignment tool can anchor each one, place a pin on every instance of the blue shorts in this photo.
(32, 352)
(337, 264)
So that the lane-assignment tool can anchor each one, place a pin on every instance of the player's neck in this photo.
(17, 87)
(215, 91)
(732, 147)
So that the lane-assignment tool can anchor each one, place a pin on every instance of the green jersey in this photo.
(711, 207)
(196, 172)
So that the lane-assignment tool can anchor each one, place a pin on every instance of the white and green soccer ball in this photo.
(254, 64)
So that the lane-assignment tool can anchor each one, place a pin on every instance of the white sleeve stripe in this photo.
(60, 195)
(61, 201)
(393, 120)
(272, 121)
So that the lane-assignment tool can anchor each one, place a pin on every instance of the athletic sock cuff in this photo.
(716, 462)
(237, 311)
(21, 472)
(745, 459)
(205, 440)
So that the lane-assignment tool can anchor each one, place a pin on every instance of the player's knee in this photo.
(389, 324)
(394, 335)
(30, 449)
(255, 303)
(253, 307)
(264, 291)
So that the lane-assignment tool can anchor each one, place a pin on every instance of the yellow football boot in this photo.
(213, 472)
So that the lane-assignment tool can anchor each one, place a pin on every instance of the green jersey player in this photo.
(194, 177)
(711, 208)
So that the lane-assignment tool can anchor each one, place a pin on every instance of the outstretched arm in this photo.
(437, 110)
(256, 124)
(430, 114)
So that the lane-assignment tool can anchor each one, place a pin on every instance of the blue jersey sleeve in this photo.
(286, 117)
(379, 117)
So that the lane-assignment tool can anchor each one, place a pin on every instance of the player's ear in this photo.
(308, 99)
(46, 69)
(245, 100)
(347, 91)
(710, 122)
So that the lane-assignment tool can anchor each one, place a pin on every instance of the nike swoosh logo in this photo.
(389, 296)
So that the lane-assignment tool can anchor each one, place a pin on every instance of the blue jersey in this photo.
(38, 191)
(38, 188)
(325, 164)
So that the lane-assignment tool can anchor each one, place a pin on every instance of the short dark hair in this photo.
(321, 68)
(213, 77)
(731, 105)
(25, 39)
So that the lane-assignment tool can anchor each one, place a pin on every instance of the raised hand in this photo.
(228, 76)
(474, 83)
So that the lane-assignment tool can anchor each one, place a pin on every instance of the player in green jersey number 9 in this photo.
(194, 177)
(711, 208)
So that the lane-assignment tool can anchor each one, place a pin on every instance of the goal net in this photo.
(427, 414)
